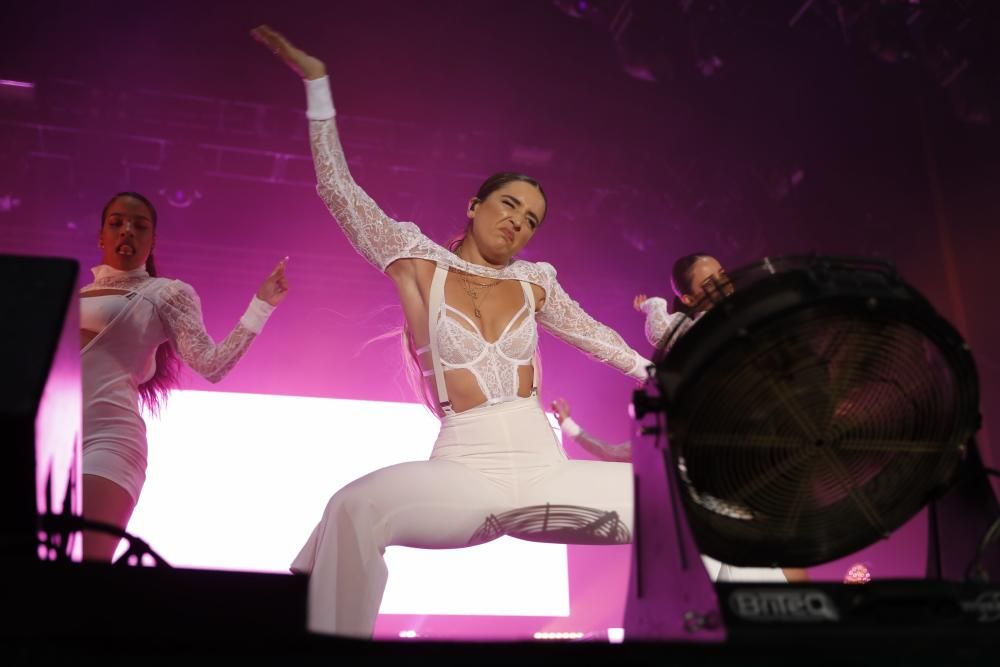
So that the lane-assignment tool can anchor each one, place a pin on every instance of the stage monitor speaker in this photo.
(40, 400)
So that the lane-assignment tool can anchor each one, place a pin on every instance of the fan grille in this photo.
(817, 433)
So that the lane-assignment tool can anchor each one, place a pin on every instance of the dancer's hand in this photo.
(301, 62)
(638, 301)
(560, 408)
(274, 289)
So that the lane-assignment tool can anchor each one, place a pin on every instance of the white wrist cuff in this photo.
(639, 369)
(570, 427)
(319, 100)
(257, 313)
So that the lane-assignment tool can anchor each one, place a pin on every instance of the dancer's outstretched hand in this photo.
(560, 408)
(274, 289)
(638, 301)
(305, 65)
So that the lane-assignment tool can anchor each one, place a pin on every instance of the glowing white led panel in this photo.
(238, 481)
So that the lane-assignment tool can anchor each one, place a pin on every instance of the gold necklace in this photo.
(474, 292)
(467, 286)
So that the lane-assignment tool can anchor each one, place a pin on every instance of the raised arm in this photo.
(606, 451)
(565, 319)
(662, 328)
(376, 236)
(179, 309)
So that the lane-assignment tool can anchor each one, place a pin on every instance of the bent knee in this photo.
(350, 501)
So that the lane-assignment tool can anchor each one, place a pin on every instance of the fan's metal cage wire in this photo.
(816, 408)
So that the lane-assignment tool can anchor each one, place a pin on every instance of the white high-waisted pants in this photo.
(492, 472)
(496, 470)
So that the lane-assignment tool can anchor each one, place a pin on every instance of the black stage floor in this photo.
(73, 613)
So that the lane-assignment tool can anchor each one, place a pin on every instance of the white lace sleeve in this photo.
(180, 311)
(594, 445)
(379, 238)
(663, 328)
(565, 319)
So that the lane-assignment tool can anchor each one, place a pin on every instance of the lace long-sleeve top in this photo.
(122, 355)
(663, 328)
(382, 240)
(174, 313)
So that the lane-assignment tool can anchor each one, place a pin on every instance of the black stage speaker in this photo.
(94, 607)
(40, 399)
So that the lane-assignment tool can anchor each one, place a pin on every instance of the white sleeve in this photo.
(377, 237)
(565, 319)
(662, 327)
(319, 99)
(180, 312)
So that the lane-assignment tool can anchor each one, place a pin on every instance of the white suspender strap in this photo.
(529, 298)
(434, 311)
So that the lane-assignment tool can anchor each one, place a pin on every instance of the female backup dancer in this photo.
(698, 282)
(472, 314)
(133, 325)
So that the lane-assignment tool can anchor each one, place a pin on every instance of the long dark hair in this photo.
(153, 392)
(414, 372)
(680, 281)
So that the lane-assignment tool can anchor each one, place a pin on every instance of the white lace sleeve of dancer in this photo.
(599, 448)
(565, 319)
(379, 238)
(180, 311)
(661, 326)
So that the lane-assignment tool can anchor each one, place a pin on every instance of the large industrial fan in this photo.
(814, 410)
(819, 404)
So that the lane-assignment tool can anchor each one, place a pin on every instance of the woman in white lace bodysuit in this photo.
(133, 325)
(472, 313)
